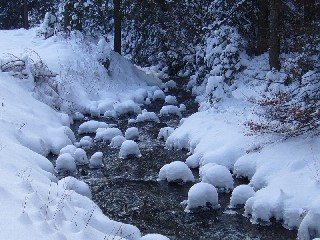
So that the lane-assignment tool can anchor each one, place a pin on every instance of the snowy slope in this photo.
(34, 204)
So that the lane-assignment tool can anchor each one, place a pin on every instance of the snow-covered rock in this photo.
(193, 160)
(140, 95)
(182, 107)
(106, 134)
(171, 100)
(170, 84)
(86, 141)
(66, 163)
(132, 133)
(219, 176)
(91, 126)
(78, 116)
(80, 156)
(68, 149)
(176, 171)
(110, 114)
(117, 141)
(71, 183)
(94, 110)
(129, 148)
(240, 195)
(170, 109)
(96, 160)
(201, 195)
(147, 117)
(127, 107)
(165, 132)
(158, 94)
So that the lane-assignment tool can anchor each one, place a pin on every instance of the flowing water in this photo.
(127, 190)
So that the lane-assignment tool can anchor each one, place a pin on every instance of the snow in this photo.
(158, 94)
(201, 195)
(68, 149)
(66, 163)
(117, 141)
(176, 171)
(146, 116)
(170, 109)
(153, 236)
(127, 107)
(106, 134)
(217, 175)
(71, 183)
(80, 156)
(86, 141)
(91, 126)
(132, 133)
(171, 100)
(170, 84)
(240, 195)
(96, 160)
(165, 132)
(129, 148)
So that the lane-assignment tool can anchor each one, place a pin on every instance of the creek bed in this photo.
(127, 190)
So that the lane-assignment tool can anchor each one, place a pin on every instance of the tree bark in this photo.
(117, 26)
(25, 14)
(263, 27)
(274, 40)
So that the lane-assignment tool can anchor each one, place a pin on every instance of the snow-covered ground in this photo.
(34, 204)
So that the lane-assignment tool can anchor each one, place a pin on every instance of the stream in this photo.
(127, 190)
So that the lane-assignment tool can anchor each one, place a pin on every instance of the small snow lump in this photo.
(176, 171)
(129, 148)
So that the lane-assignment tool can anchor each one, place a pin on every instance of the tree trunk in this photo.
(263, 27)
(117, 26)
(274, 40)
(25, 14)
(309, 11)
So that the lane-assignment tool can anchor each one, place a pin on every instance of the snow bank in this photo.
(176, 171)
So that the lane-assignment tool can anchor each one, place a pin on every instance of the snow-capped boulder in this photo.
(71, 183)
(80, 157)
(171, 100)
(240, 195)
(91, 126)
(193, 160)
(86, 141)
(219, 176)
(147, 117)
(110, 114)
(68, 149)
(96, 160)
(129, 148)
(170, 84)
(66, 163)
(176, 171)
(165, 132)
(158, 94)
(182, 107)
(107, 134)
(154, 236)
(170, 109)
(117, 141)
(127, 107)
(201, 195)
(132, 133)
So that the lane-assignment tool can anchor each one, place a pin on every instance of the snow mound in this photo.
(140, 95)
(71, 183)
(96, 160)
(158, 94)
(182, 107)
(66, 163)
(91, 126)
(132, 133)
(94, 110)
(153, 236)
(147, 116)
(201, 195)
(193, 160)
(106, 134)
(170, 109)
(129, 148)
(171, 100)
(219, 176)
(78, 116)
(86, 141)
(165, 132)
(117, 141)
(240, 195)
(80, 157)
(110, 114)
(176, 171)
(170, 85)
(68, 149)
(127, 107)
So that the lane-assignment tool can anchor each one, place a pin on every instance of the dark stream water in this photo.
(127, 190)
